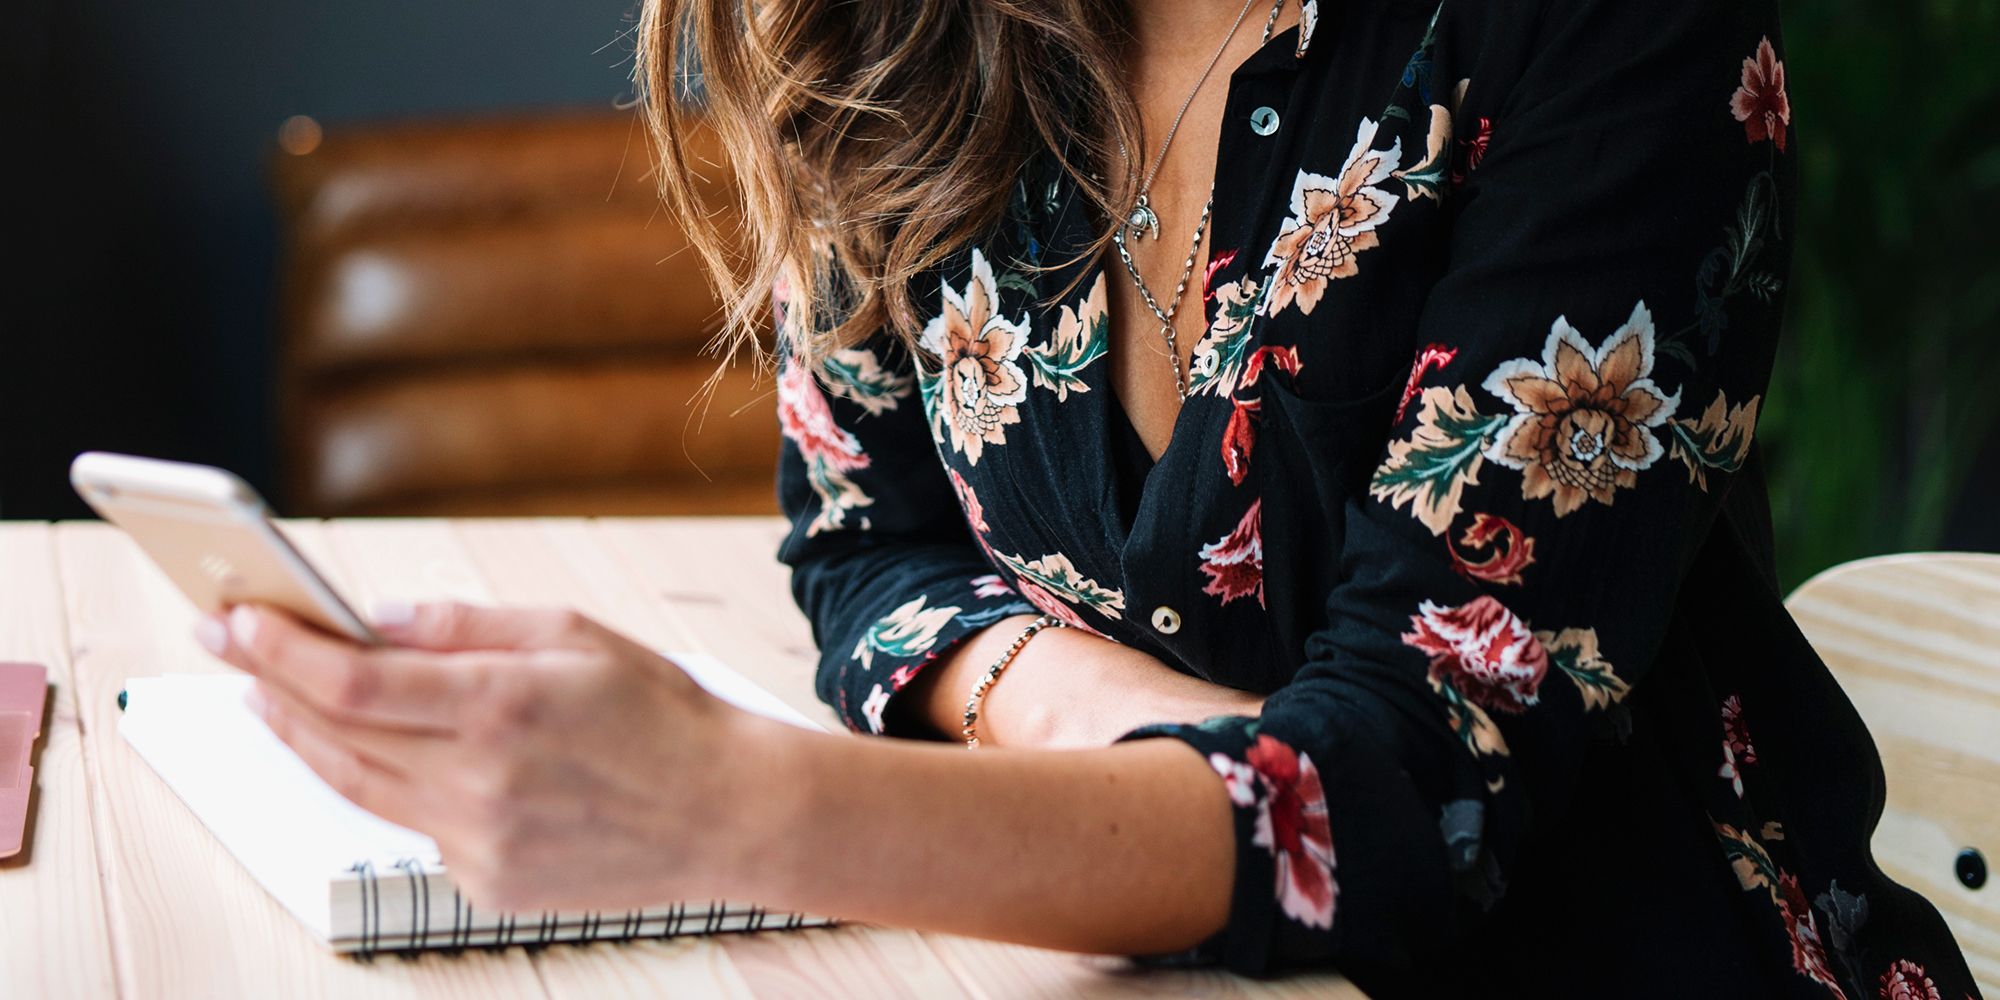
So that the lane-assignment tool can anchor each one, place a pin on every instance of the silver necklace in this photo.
(1142, 220)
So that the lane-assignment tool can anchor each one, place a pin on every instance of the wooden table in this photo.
(123, 893)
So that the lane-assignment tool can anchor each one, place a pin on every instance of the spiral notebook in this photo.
(360, 883)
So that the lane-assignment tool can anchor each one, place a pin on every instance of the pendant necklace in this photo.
(1142, 221)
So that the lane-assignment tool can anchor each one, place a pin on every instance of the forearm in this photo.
(1126, 849)
(1065, 689)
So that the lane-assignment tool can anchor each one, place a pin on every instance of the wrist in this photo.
(768, 769)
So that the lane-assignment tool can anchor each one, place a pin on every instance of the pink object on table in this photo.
(23, 689)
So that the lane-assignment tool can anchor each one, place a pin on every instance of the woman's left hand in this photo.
(557, 763)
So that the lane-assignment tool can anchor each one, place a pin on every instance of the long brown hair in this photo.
(870, 140)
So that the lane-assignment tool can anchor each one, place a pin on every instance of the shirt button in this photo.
(1263, 121)
(1166, 620)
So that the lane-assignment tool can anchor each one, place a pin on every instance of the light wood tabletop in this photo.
(121, 892)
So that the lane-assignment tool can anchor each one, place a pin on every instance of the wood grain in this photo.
(1915, 642)
(54, 941)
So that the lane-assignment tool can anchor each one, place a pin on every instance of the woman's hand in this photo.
(561, 766)
(555, 762)
(1066, 689)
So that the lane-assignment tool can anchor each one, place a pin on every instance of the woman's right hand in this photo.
(1066, 688)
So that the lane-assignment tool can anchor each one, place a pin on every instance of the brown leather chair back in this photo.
(501, 318)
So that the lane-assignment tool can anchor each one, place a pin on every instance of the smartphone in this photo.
(213, 536)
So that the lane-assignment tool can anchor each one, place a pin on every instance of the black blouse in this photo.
(1465, 483)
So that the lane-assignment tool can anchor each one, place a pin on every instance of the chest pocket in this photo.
(1332, 447)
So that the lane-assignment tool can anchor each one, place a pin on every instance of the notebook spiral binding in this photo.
(506, 932)
(371, 909)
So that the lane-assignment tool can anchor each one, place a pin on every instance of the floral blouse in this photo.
(1465, 483)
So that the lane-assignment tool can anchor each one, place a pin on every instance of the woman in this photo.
(1332, 421)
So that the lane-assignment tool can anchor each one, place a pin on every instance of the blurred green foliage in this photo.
(1886, 386)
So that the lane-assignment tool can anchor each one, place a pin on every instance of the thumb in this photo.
(447, 626)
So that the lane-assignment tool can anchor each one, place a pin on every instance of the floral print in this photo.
(1234, 563)
(1433, 356)
(909, 629)
(858, 375)
(1582, 427)
(1290, 809)
(1474, 152)
(1760, 103)
(1426, 179)
(1905, 980)
(1583, 417)
(1220, 355)
(878, 701)
(830, 452)
(1388, 507)
(977, 392)
(1512, 550)
(1333, 220)
(1308, 22)
(1429, 471)
(1728, 771)
(1483, 651)
(1082, 335)
(1574, 652)
(975, 512)
(1055, 585)
(1239, 436)
(1755, 870)
(1719, 439)
(1737, 753)
(1736, 735)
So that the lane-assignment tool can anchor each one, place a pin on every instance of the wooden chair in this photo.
(498, 317)
(1915, 641)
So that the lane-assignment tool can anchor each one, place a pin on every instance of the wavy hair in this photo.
(871, 140)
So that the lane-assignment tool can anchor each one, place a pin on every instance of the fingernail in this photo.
(255, 699)
(212, 634)
(392, 614)
(243, 624)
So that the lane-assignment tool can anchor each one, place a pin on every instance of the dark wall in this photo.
(138, 312)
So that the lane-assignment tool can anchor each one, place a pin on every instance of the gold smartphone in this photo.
(212, 535)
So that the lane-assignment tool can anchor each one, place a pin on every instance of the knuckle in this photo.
(448, 618)
(508, 703)
(357, 681)
(569, 621)
(493, 791)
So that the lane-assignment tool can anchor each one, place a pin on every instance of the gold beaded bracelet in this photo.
(979, 688)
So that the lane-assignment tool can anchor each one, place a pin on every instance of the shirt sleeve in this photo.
(1594, 357)
(883, 562)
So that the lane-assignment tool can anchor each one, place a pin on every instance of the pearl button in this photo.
(1166, 620)
(1264, 121)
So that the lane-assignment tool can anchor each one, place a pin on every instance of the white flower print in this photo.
(979, 385)
(878, 700)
